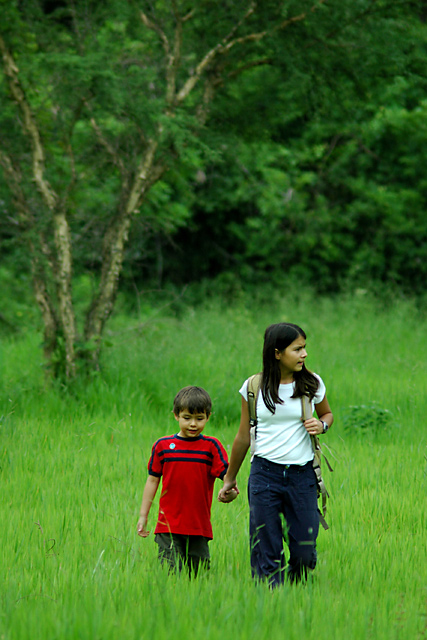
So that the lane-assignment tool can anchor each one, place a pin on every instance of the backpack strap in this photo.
(307, 412)
(254, 385)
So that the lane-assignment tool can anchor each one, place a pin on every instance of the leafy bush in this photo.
(369, 418)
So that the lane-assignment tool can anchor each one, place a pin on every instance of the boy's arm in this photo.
(147, 500)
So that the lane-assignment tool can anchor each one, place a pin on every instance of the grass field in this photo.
(73, 465)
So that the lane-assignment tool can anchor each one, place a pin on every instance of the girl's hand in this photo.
(313, 426)
(229, 491)
(229, 495)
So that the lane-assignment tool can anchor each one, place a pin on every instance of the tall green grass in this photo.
(73, 465)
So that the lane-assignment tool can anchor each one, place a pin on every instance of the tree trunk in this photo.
(66, 320)
(64, 291)
(26, 222)
(115, 242)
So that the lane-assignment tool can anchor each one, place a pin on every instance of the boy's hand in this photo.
(141, 527)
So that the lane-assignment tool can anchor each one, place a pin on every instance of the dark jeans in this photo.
(288, 491)
(179, 551)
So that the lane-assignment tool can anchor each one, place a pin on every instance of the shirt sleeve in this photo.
(155, 467)
(321, 391)
(220, 459)
(244, 389)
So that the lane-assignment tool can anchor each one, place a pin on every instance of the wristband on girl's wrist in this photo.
(325, 426)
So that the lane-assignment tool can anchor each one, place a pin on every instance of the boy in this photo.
(188, 463)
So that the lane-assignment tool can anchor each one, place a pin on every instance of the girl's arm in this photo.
(238, 452)
(314, 425)
(147, 500)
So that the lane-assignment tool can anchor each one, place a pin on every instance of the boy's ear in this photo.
(175, 416)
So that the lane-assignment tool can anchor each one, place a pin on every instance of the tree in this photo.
(66, 82)
(109, 98)
(331, 193)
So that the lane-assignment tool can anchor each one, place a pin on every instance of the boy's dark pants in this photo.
(178, 551)
(290, 490)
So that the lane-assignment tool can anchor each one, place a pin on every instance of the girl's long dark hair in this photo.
(279, 336)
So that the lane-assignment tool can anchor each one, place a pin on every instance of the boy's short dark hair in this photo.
(194, 400)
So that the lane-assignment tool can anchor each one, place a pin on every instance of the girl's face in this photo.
(292, 358)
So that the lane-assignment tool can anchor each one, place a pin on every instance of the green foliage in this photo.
(17, 311)
(367, 418)
(317, 181)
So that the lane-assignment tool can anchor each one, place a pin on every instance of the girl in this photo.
(282, 480)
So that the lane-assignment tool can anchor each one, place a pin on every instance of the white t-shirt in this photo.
(280, 436)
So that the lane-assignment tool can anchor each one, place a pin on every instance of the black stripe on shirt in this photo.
(167, 452)
(186, 459)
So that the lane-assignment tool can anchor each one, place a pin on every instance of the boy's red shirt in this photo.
(188, 468)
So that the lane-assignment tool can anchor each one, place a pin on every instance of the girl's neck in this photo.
(286, 378)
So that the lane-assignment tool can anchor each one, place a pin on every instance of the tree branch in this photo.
(155, 27)
(115, 239)
(228, 42)
(29, 126)
(250, 65)
(117, 161)
(301, 16)
(174, 58)
(173, 54)
(145, 175)
(211, 55)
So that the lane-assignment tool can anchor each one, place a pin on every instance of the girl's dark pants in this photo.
(290, 490)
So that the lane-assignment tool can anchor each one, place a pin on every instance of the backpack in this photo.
(254, 385)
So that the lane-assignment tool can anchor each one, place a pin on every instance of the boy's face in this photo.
(191, 425)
